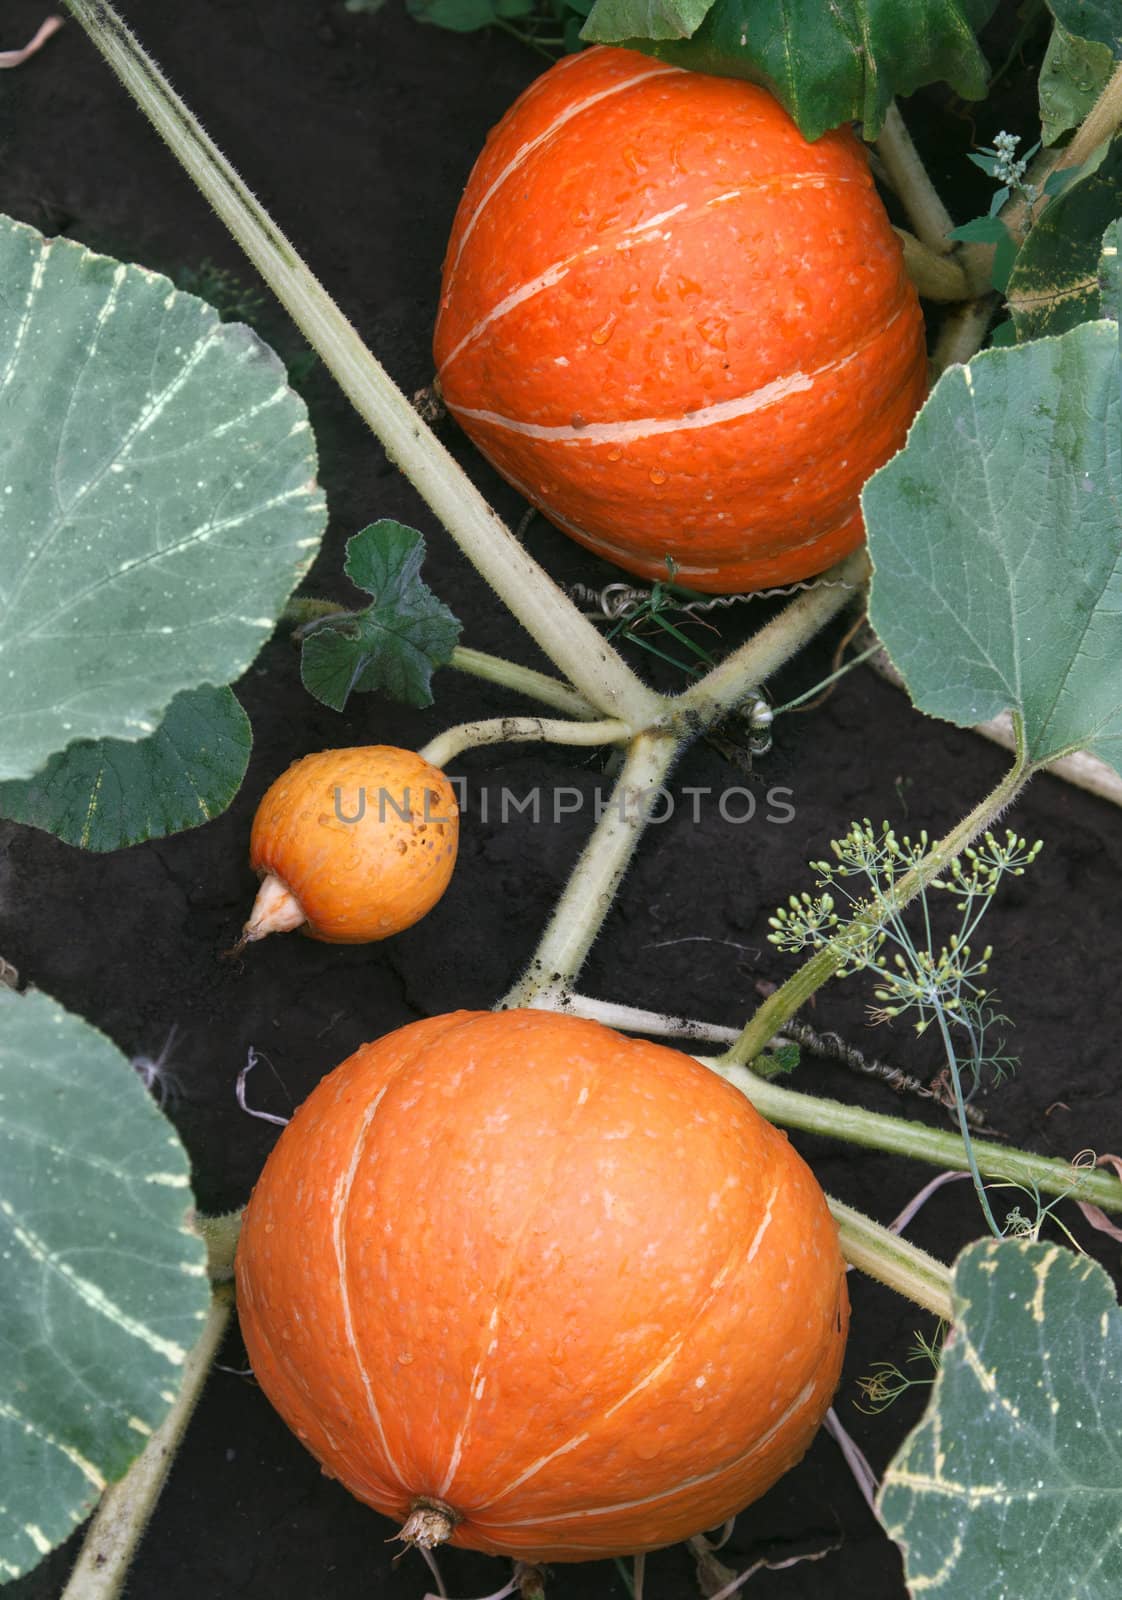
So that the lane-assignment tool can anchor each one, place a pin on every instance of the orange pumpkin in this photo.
(676, 326)
(544, 1291)
(352, 845)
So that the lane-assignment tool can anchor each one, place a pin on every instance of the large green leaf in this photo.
(996, 539)
(395, 643)
(1054, 284)
(103, 1289)
(1100, 20)
(1073, 74)
(827, 64)
(1010, 1488)
(104, 794)
(157, 497)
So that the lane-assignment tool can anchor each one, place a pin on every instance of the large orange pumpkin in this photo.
(675, 325)
(546, 1291)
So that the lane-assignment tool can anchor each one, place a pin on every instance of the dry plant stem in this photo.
(789, 1108)
(126, 1507)
(569, 639)
(514, 730)
(780, 1007)
(589, 893)
(929, 216)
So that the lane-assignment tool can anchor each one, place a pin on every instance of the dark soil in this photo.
(358, 132)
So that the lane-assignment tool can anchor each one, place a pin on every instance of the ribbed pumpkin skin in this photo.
(569, 1284)
(361, 880)
(676, 326)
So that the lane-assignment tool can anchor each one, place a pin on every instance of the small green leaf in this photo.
(158, 501)
(104, 1284)
(996, 539)
(827, 64)
(981, 230)
(991, 230)
(1055, 283)
(104, 794)
(394, 644)
(1011, 1485)
(1073, 74)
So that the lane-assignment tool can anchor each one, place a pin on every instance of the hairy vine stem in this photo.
(126, 1507)
(791, 1108)
(589, 893)
(501, 730)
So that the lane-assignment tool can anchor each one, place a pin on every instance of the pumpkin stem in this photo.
(276, 910)
(428, 1524)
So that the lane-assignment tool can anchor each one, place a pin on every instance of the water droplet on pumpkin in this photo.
(687, 286)
(648, 1448)
(632, 161)
(694, 360)
(629, 293)
(404, 1358)
(603, 333)
(657, 475)
(614, 455)
(714, 332)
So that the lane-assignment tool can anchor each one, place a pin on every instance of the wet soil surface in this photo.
(358, 132)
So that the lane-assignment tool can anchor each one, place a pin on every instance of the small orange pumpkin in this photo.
(352, 845)
(676, 326)
(541, 1290)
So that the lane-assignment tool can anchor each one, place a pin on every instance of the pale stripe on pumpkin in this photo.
(769, 394)
(560, 269)
(339, 1203)
(524, 152)
(663, 1361)
(807, 1392)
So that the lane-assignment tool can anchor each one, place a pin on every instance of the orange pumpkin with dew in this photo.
(352, 845)
(676, 326)
(541, 1290)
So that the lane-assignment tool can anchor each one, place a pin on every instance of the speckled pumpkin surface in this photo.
(567, 1284)
(675, 325)
(365, 838)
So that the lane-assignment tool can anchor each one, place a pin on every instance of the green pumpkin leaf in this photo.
(827, 64)
(157, 497)
(1055, 283)
(1100, 20)
(996, 541)
(103, 1286)
(1011, 1485)
(397, 642)
(104, 794)
(1072, 76)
